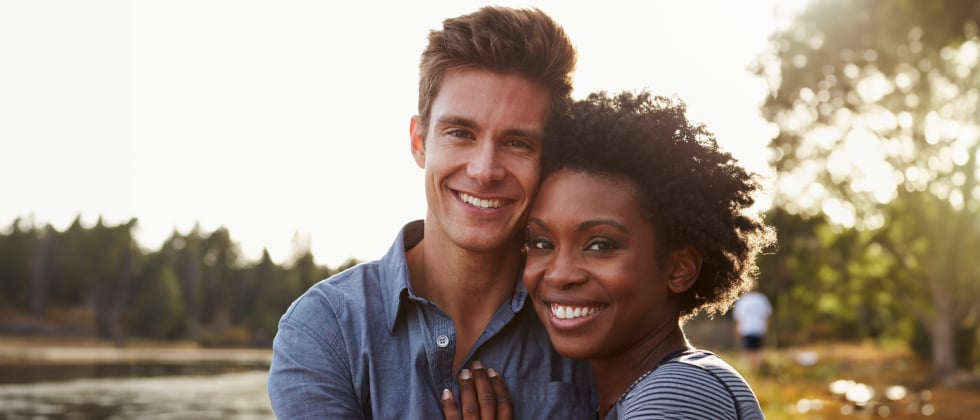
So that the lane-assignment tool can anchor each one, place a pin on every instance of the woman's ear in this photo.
(685, 265)
(418, 141)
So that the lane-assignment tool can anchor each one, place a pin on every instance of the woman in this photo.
(640, 223)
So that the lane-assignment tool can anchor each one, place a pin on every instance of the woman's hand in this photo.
(483, 396)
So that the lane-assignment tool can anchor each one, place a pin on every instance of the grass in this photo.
(799, 383)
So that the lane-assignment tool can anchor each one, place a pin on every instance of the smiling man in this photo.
(385, 338)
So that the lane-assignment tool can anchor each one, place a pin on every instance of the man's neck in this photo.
(463, 282)
(468, 286)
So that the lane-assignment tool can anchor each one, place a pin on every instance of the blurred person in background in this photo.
(751, 314)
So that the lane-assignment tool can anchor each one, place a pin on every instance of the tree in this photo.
(221, 278)
(185, 252)
(877, 101)
(828, 283)
(262, 304)
(157, 310)
(74, 266)
(42, 267)
(15, 269)
(117, 259)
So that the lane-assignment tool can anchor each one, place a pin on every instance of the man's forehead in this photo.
(476, 98)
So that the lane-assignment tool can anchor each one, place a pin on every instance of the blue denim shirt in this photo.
(361, 344)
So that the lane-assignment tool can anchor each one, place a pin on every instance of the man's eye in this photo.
(459, 133)
(519, 144)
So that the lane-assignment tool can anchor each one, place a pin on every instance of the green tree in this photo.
(187, 256)
(74, 266)
(15, 269)
(42, 266)
(261, 303)
(220, 271)
(157, 309)
(117, 260)
(828, 282)
(877, 101)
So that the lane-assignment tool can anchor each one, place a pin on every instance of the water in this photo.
(227, 395)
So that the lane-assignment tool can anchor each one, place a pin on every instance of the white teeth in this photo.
(570, 312)
(479, 202)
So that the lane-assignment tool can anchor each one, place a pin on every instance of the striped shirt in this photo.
(695, 385)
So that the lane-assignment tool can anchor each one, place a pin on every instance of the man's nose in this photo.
(485, 166)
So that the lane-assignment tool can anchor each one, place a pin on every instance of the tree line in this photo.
(827, 283)
(99, 281)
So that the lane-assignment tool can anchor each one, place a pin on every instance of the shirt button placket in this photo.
(444, 351)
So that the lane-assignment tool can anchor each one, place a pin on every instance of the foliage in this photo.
(15, 249)
(829, 283)
(196, 286)
(158, 309)
(876, 103)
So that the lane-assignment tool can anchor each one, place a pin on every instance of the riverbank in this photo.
(73, 351)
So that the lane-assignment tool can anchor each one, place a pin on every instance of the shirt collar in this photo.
(395, 275)
(394, 271)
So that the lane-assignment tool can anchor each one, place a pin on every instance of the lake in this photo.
(87, 379)
(208, 393)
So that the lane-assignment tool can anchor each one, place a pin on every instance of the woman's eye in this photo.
(600, 245)
(538, 244)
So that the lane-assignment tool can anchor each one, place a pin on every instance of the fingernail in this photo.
(477, 364)
(465, 374)
(491, 373)
(446, 394)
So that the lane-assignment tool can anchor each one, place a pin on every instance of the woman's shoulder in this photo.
(693, 371)
(695, 384)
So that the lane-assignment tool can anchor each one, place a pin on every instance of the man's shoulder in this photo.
(364, 271)
(355, 287)
(350, 281)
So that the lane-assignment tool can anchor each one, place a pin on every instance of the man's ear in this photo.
(418, 141)
(685, 266)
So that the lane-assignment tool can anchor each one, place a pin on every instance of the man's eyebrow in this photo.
(524, 132)
(510, 132)
(455, 120)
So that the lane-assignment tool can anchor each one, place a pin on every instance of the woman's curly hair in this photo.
(695, 194)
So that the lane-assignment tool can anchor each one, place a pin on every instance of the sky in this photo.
(286, 120)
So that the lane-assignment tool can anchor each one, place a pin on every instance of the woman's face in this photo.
(592, 269)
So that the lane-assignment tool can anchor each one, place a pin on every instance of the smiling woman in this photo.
(641, 221)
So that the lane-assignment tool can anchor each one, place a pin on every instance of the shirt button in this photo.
(442, 341)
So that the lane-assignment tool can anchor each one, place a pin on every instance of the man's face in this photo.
(481, 154)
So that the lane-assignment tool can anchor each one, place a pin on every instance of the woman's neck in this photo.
(615, 375)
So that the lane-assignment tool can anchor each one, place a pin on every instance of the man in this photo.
(385, 338)
(751, 314)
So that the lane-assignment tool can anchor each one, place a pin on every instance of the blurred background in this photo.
(173, 174)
